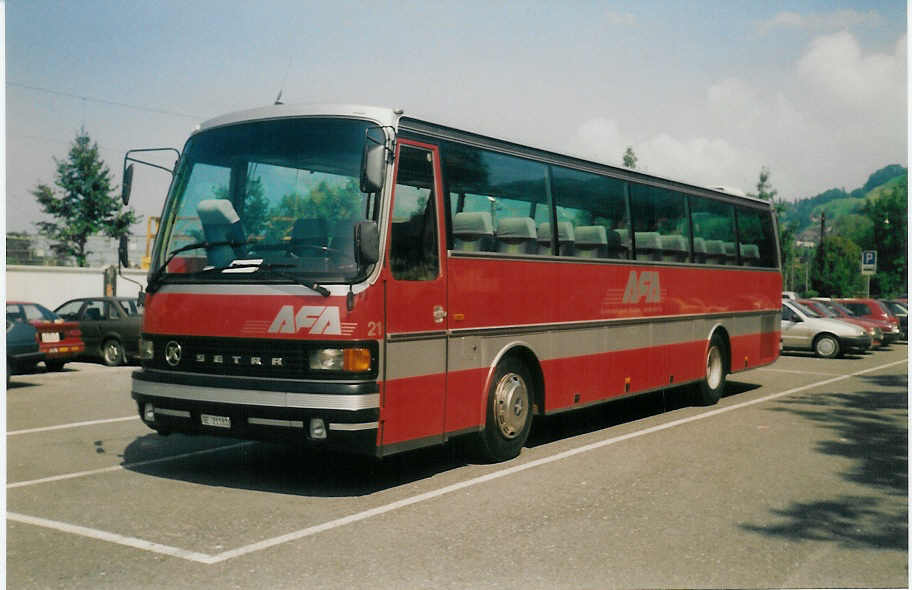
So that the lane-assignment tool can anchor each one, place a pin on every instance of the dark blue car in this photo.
(21, 348)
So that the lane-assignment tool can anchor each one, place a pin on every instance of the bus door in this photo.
(414, 399)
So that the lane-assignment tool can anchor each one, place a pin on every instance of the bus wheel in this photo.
(509, 412)
(710, 388)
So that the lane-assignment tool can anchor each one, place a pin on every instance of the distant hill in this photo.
(836, 202)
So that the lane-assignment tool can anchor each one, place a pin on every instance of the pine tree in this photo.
(85, 206)
(630, 158)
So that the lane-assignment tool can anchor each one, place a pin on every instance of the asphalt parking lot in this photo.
(797, 478)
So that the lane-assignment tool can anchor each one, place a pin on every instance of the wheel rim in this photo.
(714, 367)
(826, 346)
(112, 352)
(511, 405)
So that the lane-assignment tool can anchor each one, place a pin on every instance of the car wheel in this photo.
(710, 388)
(826, 346)
(54, 365)
(112, 353)
(508, 418)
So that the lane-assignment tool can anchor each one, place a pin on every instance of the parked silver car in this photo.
(804, 329)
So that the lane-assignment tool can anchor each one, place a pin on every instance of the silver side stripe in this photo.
(354, 427)
(251, 397)
(178, 413)
(271, 422)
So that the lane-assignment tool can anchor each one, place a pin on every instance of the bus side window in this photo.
(755, 237)
(596, 208)
(662, 230)
(486, 189)
(413, 243)
(713, 228)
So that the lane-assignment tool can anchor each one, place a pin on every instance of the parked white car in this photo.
(804, 329)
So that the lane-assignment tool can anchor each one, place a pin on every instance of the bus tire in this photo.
(710, 388)
(508, 417)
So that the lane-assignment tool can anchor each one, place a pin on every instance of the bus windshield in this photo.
(252, 198)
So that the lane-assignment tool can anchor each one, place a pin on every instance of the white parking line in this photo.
(72, 425)
(340, 522)
(110, 537)
(31, 482)
(768, 370)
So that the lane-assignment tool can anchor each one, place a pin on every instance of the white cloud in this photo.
(620, 18)
(698, 160)
(835, 116)
(820, 22)
(835, 67)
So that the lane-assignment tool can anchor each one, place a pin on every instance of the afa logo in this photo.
(646, 284)
(319, 320)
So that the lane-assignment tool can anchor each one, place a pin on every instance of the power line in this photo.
(104, 101)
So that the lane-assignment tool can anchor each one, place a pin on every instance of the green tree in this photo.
(839, 270)
(630, 158)
(765, 190)
(85, 206)
(331, 203)
(889, 237)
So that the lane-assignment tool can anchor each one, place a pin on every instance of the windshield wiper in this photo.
(271, 268)
(155, 277)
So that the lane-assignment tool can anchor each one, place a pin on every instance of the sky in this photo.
(706, 92)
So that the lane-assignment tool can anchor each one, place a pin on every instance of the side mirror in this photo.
(127, 184)
(122, 252)
(373, 164)
(367, 242)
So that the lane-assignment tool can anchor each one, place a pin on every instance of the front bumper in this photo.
(856, 342)
(260, 409)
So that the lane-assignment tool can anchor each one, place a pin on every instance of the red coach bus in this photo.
(357, 278)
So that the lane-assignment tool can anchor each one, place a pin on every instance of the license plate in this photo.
(217, 421)
(50, 337)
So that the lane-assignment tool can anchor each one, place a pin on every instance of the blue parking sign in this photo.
(869, 262)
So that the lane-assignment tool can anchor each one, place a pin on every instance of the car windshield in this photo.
(805, 310)
(897, 308)
(820, 309)
(265, 195)
(842, 308)
(29, 312)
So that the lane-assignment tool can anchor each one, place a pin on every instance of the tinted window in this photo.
(596, 209)
(130, 306)
(496, 202)
(413, 244)
(755, 237)
(858, 308)
(33, 311)
(662, 231)
(713, 230)
(70, 310)
(95, 310)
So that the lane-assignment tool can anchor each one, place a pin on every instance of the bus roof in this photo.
(393, 118)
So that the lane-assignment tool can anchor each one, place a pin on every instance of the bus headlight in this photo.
(146, 349)
(352, 360)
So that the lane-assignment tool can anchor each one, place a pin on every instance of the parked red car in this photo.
(873, 309)
(58, 341)
(831, 309)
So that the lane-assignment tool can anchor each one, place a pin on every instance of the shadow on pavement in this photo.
(870, 428)
(289, 469)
